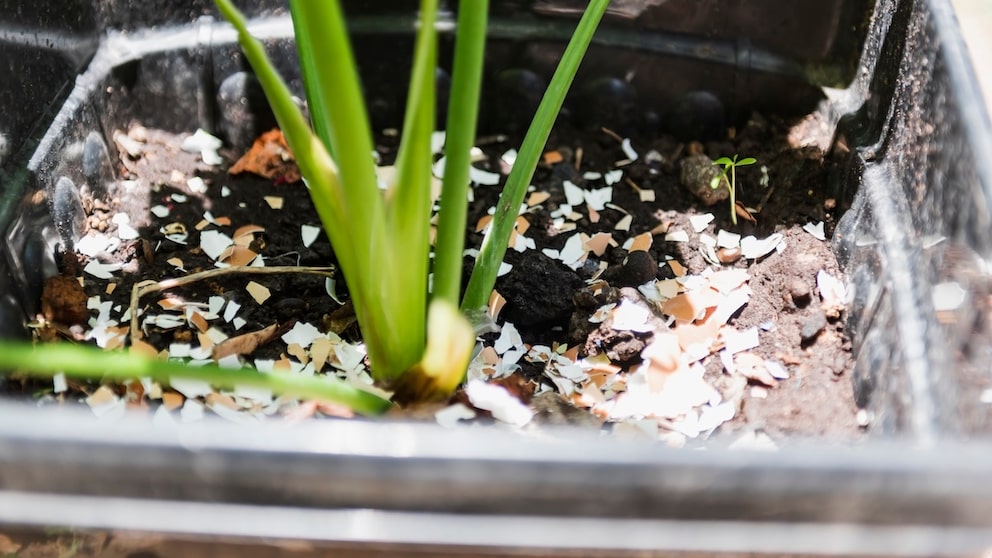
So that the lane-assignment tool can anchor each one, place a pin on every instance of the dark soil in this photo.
(547, 301)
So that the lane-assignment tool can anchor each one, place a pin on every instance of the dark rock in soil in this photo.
(638, 268)
(538, 291)
(812, 326)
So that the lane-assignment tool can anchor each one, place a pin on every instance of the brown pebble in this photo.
(728, 255)
(800, 292)
(829, 203)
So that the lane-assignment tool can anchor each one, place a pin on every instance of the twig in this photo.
(145, 287)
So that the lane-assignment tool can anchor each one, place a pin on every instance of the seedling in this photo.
(730, 166)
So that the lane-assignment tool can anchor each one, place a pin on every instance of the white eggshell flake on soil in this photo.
(498, 401)
(309, 234)
(213, 243)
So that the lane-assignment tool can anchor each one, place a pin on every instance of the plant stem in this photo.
(403, 281)
(733, 191)
(88, 363)
(495, 244)
(463, 109)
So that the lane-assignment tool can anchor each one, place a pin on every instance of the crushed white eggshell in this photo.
(509, 338)
(93, 244)
(192, 411)
(160, 211)
(832, 290)
(725, 239)
(206, 145)
(449, 416)
(677, 236)
(302, 334)
(498, 401)
(102, 270)
(59, 383)
(631, 316)
(191, 387)
(738, 341)
(483, 177)
(753, 249)
(197, 185)
(628, 150)
(574, 195)
(275, 202)
(699, 222)
(309, 234)
(948, 296)
(213, 243)
(124, 229)
(816, 230)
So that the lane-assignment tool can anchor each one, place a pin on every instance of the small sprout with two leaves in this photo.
(730, 167)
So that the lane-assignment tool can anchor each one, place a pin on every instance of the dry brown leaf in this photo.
(743, 213)
(246, 343)
(269, 157)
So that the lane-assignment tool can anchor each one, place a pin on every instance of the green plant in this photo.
(419, 343)
(730, 166)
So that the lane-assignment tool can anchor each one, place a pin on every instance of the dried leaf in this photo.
(269, 157)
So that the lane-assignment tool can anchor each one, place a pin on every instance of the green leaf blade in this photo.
(495, 243)
(463, 109)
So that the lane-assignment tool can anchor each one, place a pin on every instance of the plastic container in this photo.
(914, 130)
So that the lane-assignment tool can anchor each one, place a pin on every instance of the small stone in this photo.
(640, 267)
(698, 171)
(728, 255)
(800, 292)
(812, 326)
